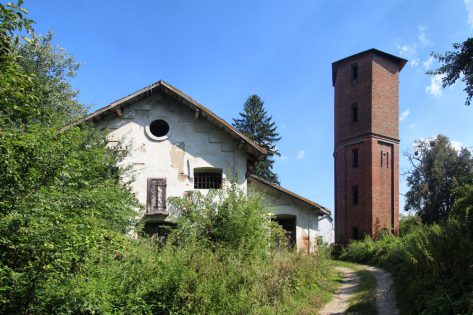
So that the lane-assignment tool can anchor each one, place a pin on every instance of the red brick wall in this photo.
(376, 93)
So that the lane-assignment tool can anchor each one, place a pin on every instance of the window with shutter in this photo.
(156, 196)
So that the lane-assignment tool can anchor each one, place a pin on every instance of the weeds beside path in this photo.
(363, 290)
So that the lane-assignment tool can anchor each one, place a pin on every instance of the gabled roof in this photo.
(278, 188)
(396, 60)
(116, 108)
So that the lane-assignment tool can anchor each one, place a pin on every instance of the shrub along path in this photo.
(364, 290)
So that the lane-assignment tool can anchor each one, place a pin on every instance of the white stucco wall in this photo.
(326, 229)
(192, 143)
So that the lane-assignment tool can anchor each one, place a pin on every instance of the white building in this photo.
(175, 145)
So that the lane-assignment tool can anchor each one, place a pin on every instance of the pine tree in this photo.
(255, 123)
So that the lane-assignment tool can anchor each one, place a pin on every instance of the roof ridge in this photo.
(138, 95)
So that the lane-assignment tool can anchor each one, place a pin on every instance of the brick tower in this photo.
(366, 144)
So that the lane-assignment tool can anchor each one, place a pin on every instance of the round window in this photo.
(159, 128)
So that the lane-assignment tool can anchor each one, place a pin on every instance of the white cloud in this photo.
(435, 87)
(427, 63)
(300, 154)
(457, 145)
(422, 36)
(408, 51)
(469, 9)
(404, 115)
(411, 126)
(411, 51)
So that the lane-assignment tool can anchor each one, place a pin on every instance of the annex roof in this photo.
(397, 60)
(291, 194)
(116, 108)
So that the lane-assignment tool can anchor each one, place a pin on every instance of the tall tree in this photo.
(456, 64)
(257, 125)
(60, 194)
(438, 170)
(53, 67)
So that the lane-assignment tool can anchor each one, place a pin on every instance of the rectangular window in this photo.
(355, 158)
(354, 72)
(207, 178)
(156, 202)
(381, 159)
(354, 112)
(356, 233)
(387, 159)
(355, 195)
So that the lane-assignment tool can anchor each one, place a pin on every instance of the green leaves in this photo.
(438, 170)
(456, 64)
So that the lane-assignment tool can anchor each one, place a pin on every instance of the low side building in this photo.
(305, 222)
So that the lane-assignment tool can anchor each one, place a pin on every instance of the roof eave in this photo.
(321, 209)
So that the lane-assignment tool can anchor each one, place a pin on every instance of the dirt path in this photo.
(340, 301)
(385, 295)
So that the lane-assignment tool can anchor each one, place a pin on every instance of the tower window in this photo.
(355, 158)
(387, 159)
(354, 72)
(355, 195)
(356, 233)
(354, 112)
(207, 178)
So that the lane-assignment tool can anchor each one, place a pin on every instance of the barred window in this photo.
(207, 178)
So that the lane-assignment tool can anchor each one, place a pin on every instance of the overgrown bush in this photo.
(432, 265)
(193, 273)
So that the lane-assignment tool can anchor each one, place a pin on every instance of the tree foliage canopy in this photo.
(455, 64)
(438, 170)
(257, 125)
(60, 194)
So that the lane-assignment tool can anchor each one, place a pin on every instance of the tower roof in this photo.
(397, 60)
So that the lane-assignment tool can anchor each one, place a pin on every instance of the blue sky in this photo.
(220, 52)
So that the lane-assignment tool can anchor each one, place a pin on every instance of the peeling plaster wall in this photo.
(307, 221)
(326, 229)
(192, 143)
